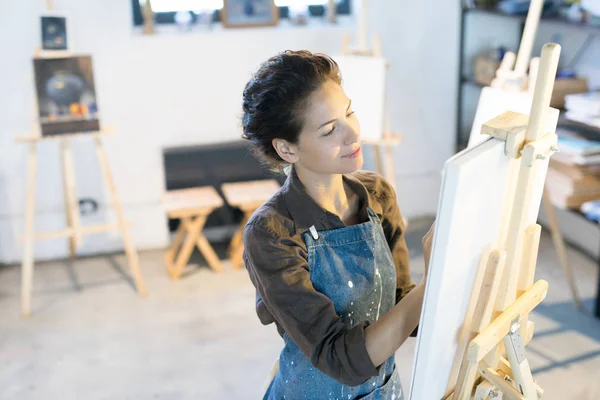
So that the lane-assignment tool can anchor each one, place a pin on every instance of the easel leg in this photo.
(485, 296)
(132, 255)
(27, 266)
(377, 154)
(71, 205)
(531, 244)
(559, 245)
(389, 166)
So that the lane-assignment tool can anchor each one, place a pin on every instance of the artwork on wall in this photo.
(55, 32)
(66, 95)
(248, 13)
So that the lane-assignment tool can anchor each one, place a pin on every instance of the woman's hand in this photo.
(426, 243)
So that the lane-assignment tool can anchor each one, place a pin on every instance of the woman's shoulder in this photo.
(271, 218)
(375, 184)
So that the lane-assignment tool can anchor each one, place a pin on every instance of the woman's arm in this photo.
(390, 331)
(278, 268)
(387, 334)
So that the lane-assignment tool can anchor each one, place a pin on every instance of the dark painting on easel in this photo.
(66, 95)
(54, 32)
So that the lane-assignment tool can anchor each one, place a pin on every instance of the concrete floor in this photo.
(91, 337)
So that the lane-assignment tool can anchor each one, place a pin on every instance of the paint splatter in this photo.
(380, 293)
(350, 284)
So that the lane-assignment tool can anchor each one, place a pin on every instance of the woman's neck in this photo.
(330, 192)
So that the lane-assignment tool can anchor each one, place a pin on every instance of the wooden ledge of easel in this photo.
(39, 53)
(84, 230)
(512, 126)
(105, 130)
(387, 140)
(493, 334)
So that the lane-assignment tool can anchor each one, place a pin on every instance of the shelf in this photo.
(589, 131)
(551, 19)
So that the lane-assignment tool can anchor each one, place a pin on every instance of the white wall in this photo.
(185, 88)
(421, 40)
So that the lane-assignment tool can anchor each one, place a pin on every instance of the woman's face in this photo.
(330, 140)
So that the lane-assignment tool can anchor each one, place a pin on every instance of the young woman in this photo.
(327, 253)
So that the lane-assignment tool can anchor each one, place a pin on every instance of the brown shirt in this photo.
(277, 261)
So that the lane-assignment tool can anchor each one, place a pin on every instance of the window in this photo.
(166, 10)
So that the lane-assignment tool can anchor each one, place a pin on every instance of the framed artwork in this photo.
(66, 95)
(249, 13)
(55, 32)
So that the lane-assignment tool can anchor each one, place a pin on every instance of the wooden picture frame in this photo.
(55, 32)
(249, 13)
(66, 95)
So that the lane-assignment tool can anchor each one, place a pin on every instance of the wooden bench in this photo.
(192, 206)
(247, 196)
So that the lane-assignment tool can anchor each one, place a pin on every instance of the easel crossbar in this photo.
(495, 332)
(83, 230)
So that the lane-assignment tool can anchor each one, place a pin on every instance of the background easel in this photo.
(74, 231)
(388, 141)
(504, 291)
(512, 77)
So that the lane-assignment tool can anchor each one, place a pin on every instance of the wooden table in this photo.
(192, 206)
(247, 196)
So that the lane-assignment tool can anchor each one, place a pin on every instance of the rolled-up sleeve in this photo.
(279, 270)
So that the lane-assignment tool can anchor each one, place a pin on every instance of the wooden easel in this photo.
(74, 231)
(504, 291)
(388, 140)
(512, 75)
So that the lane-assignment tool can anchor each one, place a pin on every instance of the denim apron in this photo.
(353, 266)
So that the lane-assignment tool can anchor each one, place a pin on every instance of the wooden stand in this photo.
(388, 140)
(74, 231)
(192, 206)
(247, 196)
(504, 291)
(148, 16)
(513, 76)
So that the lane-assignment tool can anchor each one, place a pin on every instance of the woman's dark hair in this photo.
(276, 98)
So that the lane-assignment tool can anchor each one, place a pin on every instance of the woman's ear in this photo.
(287, 151)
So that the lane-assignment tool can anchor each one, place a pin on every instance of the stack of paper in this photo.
(574, 173)
(584, 108)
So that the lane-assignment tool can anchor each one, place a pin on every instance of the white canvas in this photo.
(363, 80)
(471, 208)
(493, 102)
